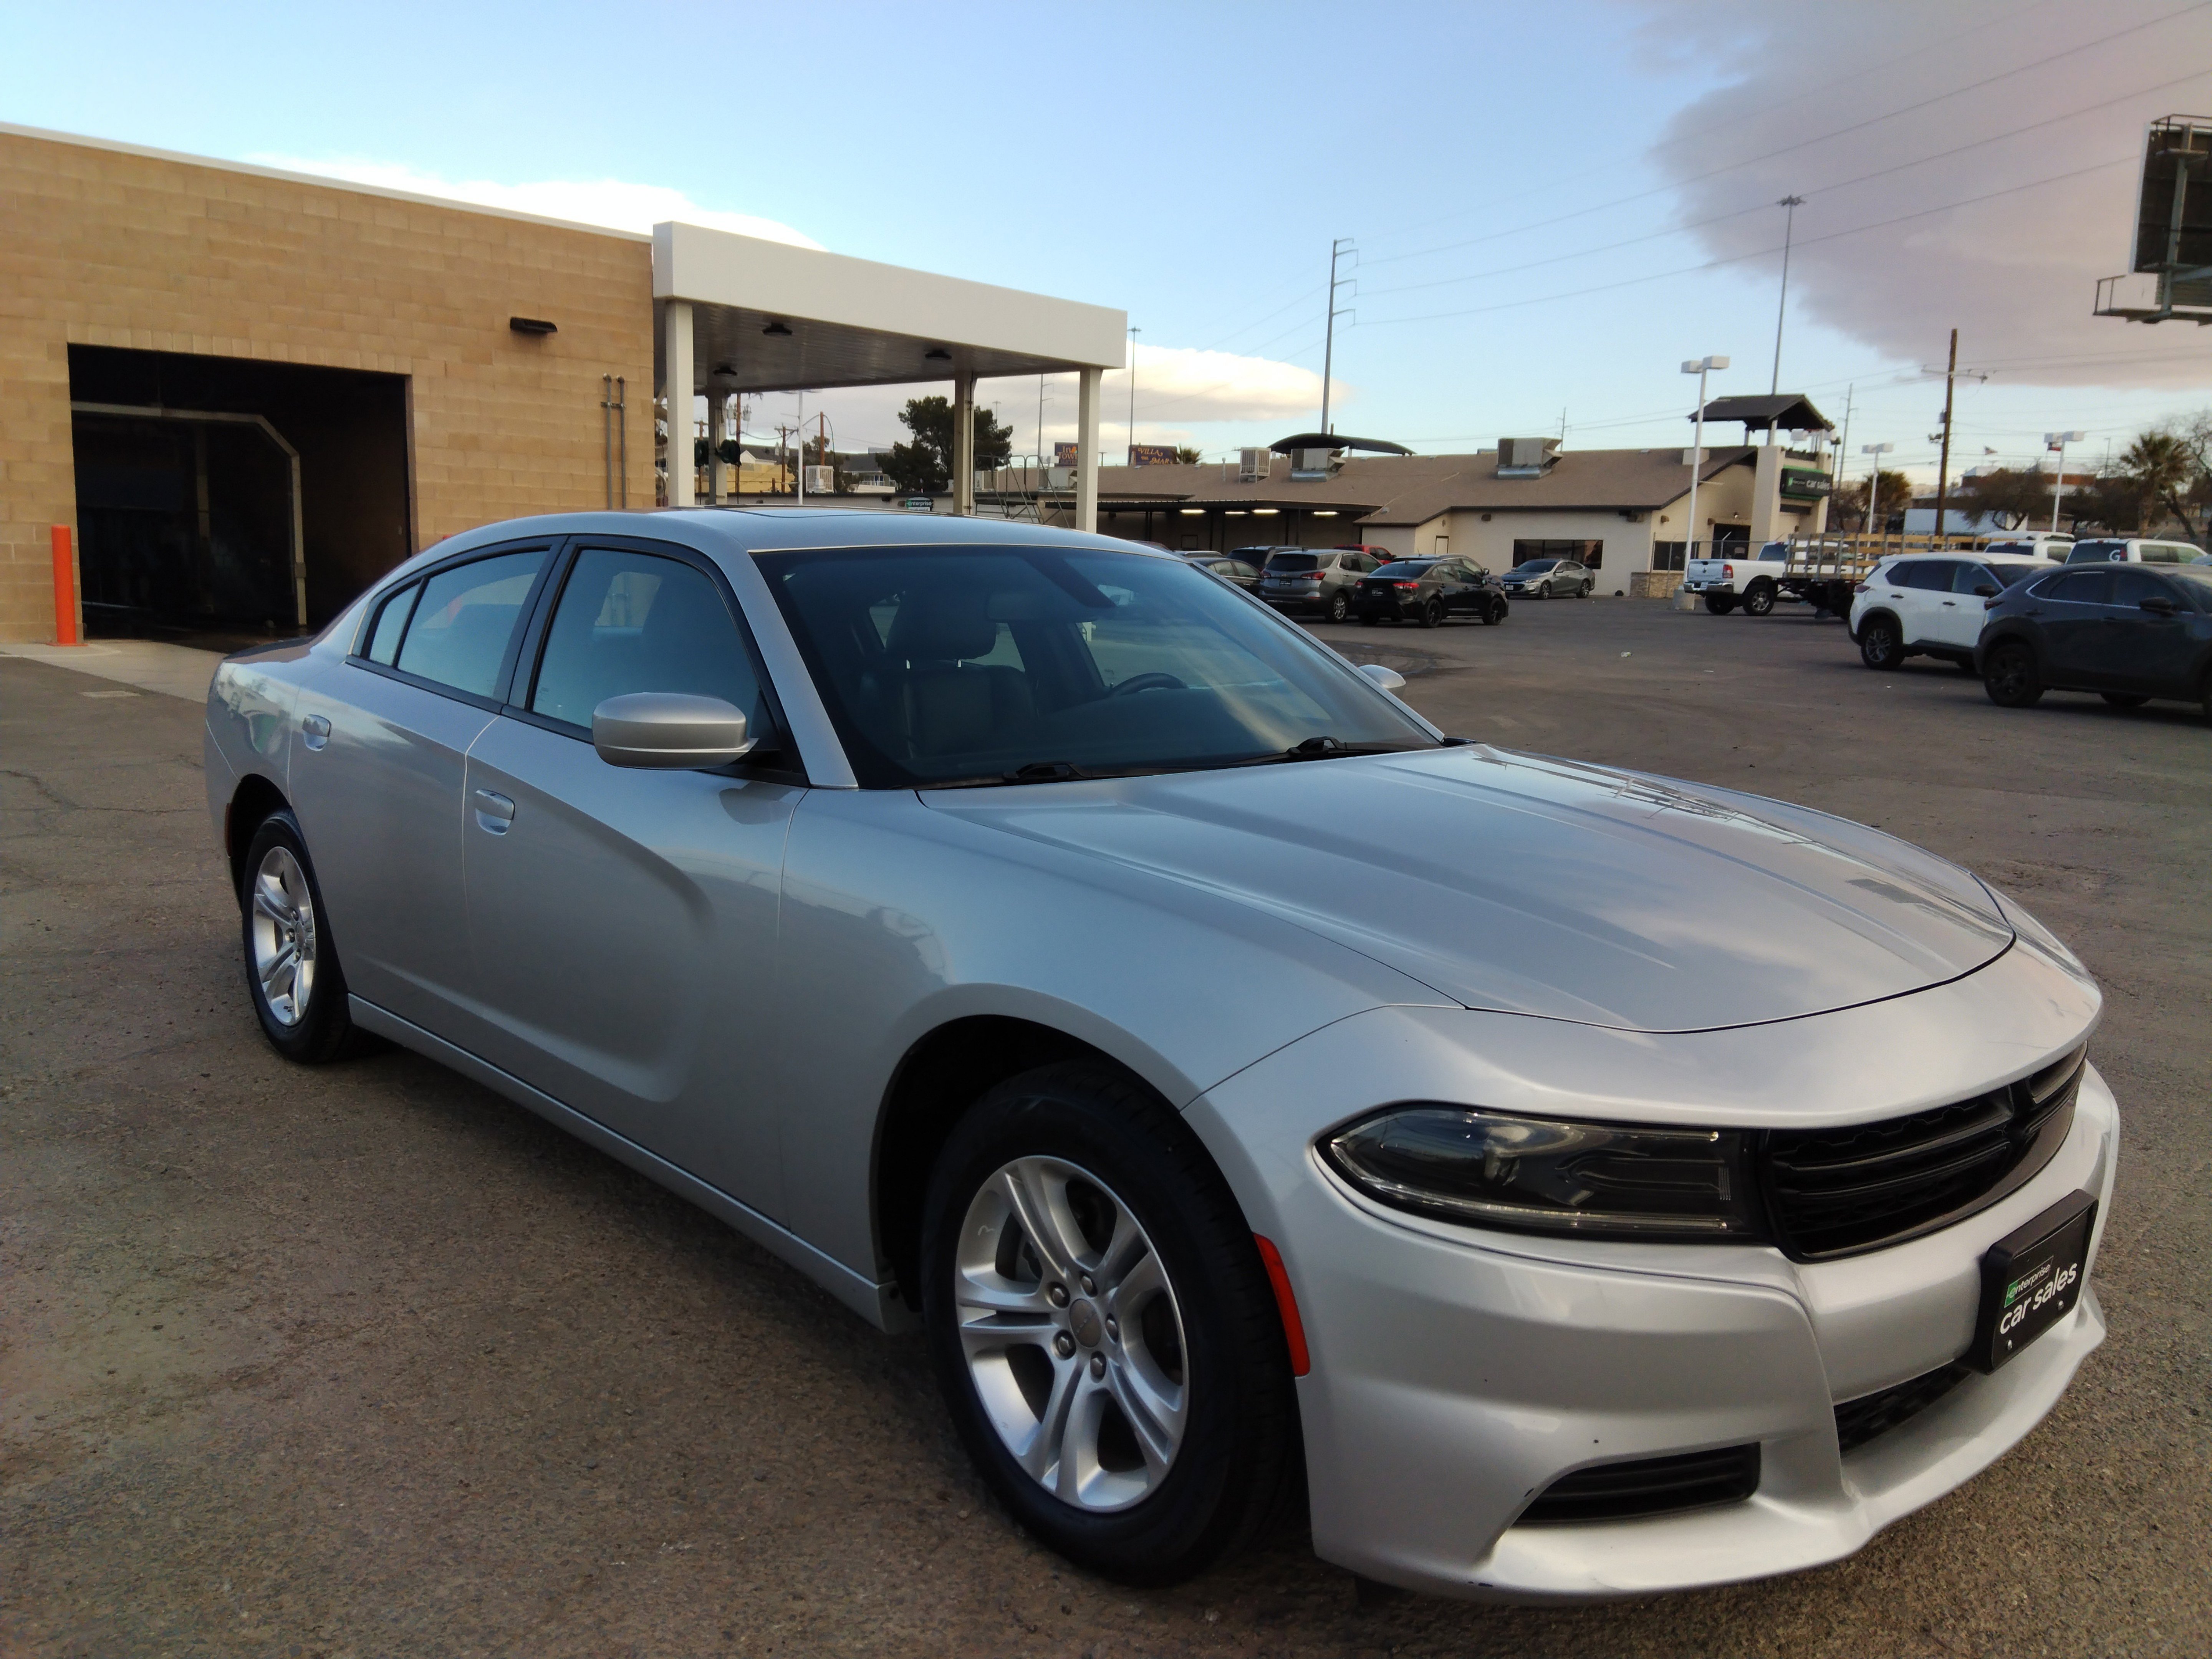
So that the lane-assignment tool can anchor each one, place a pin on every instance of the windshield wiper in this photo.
(1325, 748)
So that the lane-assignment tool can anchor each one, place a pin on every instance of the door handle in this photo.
(1950, 605)
(494, 812)
(315, 731)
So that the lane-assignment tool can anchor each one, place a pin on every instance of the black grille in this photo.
(1650, 1486)
(1836, 1192)
(1860, 1420)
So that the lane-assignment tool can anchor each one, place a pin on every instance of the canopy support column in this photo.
(1089, 381)
(964, 446)
(676, 387)
(717, 405)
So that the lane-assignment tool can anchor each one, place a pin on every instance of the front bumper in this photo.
(1457, 1374)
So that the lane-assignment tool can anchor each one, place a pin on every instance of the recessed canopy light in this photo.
(1265, 512)
(779, 330)
(1192, 512)
(1324, 513)
(1234, 513)
(726, 371)
(937, 355)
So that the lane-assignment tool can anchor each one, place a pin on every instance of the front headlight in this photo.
(1538, 1175)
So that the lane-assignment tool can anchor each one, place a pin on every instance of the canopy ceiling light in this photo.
(1324, 513)
(1265, 512)
(937, 355)
(779, 330)
(1192, 512)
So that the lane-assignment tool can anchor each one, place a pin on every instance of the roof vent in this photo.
(1253, 466)
(1526, 457)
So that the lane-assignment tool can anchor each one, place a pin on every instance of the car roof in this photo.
(745, 530)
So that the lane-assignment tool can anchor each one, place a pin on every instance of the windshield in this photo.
(1534, 568)
(1406, 569)
(1295, 562)
(969, 665)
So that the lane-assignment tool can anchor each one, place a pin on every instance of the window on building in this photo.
(1591, 555)
(1669, 556)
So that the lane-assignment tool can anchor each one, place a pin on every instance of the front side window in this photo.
(465, 619)
(2132, 586)
(637, 621)
(968, 665)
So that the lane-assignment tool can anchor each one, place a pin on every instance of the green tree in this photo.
(924, 467)
(1848, 506)
(2012, 495)
(1187, 457)
(2170, 468)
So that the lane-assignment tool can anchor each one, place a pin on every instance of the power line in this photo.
(1753, 161)
(1758, 253)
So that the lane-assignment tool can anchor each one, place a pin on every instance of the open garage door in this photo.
(222, 501)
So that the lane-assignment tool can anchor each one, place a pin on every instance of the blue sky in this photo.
(1963, 162)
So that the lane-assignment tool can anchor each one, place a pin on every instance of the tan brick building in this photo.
(170, 327)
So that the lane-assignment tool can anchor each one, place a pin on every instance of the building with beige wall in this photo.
(232, 312)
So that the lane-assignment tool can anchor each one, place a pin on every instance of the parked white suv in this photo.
(2051, 545)
(2115, 551)
(1930, 605)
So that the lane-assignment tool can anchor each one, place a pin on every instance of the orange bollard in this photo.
(65, 588)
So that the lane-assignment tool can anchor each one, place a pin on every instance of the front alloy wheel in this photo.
(1102, 1328)
(1759, 601)
(2008, 675)
(1882, 645)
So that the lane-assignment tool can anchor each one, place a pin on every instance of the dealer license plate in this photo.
(2030, 1279)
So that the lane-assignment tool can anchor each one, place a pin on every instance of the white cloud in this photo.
(611, 203)
(1896, 261)
(1179, 384)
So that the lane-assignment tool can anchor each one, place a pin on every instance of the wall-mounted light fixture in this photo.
(778, 331)
(530, 325)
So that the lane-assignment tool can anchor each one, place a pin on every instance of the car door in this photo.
(1956, 618)
(1923, 584)
(2070, 615)
(623, 923)
(2146, 639)
(378, 770)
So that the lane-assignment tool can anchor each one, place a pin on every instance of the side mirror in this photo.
(1984, 591)
(2158, 605)
(1388, 678)
(668, 731)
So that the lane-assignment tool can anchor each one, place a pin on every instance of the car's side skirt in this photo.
(881, 1305)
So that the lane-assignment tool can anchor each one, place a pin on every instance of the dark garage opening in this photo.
(187, 510)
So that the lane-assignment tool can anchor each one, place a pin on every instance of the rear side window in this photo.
(2076, 587)
(1934, 575)
(465, 618)
(390, 624)
(2166, 553)
(636, 622)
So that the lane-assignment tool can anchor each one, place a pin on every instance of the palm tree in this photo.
(2166, 471)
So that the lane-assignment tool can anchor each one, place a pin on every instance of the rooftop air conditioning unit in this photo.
(1308, 464)
(1060, 477)
(821, 480)
(1253, 466)
(1525, 457)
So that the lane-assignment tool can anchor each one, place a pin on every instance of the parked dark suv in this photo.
(1426, 591)
(2124, 631)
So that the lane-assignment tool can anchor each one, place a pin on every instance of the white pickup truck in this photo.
(1818, 573)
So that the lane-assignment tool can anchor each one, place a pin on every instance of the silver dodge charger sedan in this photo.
(1616, 1185)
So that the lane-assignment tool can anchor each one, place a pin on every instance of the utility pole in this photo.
(1131, 459)
(1790, 205)
(1337, 250)
(1943, 465)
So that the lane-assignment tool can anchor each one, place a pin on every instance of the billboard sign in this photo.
(1063, 455)
(1151, 455)
(2173, 205)
(1805, 483)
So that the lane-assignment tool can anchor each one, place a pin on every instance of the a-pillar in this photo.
(1088, 384)
(718, 406)
(675, 386)
(964, 445)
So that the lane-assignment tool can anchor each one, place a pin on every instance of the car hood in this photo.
(1544, 887)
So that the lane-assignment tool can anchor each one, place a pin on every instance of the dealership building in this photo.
(235, 396)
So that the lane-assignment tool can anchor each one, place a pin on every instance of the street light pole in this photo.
(1790, 205)
(2059, 441)
(1134, 333)
(1874, 479)
(1699, 367)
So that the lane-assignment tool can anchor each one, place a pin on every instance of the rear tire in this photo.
(1055, 1177)
(1339, 606)
(2008, 675)
(292, 972)
(1719, 604)
(1881, 643)
(1432, 614)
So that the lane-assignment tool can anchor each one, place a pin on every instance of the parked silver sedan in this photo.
(1628, 1186)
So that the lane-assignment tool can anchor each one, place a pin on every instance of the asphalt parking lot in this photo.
(366, 1361)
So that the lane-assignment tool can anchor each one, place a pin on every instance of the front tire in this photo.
(1494, 614)
(292, 972)
(1760, 601)
(1102, 1328)
(1881, 643)
(2008, 675)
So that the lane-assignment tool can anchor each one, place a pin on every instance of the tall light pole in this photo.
(1790, 205)
(1337, 250)
(2059, 441)
(1874, 479)
(1131, 458)
(1699, 367)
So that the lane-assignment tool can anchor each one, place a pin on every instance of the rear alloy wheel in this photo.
(2008, 676)
(1103, 1327)
(1432, 614)
(1881, 644)
(1339, 606)
(1720, 604)
(292, 971)
(2124, 699)
(1760, 600)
